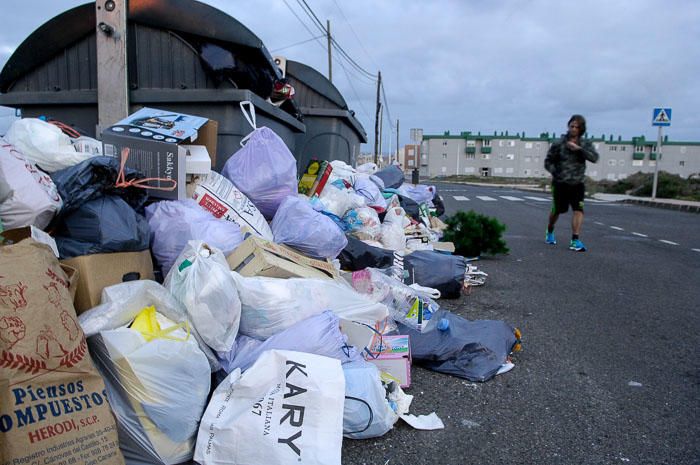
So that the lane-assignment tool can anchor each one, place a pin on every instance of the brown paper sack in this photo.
(53, 404)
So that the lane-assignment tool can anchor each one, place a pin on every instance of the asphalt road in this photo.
(609, 371)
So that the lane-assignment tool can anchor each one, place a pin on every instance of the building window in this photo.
(682, 149)
(411, 162)
(411, 152)
(471, 143)
(613, 148)
(526, 172)
(528, 159)
(424, 156)
(537, 172)
(500, 143)
(612, 162)
(470, 156)
(596, 146)
(537, 145)
(511, 143)
(497, 170)
(611, 176)
(510, 156)
(500, 156)
(444, 156)
(469, 169)
(485, 156)
(486, 143)
(639, 148)
(484, 172)
(621, 162)
(509, 170)
(594, 174)
(537, 159)
(444, 170)
(637, 162)
(681, 163)
(444, 142)
(528, 145)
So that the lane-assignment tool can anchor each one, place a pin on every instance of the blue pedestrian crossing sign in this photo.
(662, 117)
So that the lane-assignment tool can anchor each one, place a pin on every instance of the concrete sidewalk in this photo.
(671, 204)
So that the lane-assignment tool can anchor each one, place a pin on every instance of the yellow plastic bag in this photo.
(147, 324)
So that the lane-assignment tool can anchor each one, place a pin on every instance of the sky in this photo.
(522, 66)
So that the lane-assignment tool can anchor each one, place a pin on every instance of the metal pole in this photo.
(656, 166)
(397, 142)
(376, 119)
(381, 136)
(330, 62)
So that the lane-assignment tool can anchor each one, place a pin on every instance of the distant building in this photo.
(409, 161)
(517, 156)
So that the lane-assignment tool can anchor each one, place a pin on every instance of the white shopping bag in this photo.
(286, 408)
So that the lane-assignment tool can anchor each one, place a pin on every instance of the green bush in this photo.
(474, 234)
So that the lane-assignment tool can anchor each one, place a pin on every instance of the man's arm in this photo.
(551, 161)
(589, 152)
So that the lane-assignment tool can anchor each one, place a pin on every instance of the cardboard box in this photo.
(157, 141)
(260, 257)
(97, 271)
(444, 247)
(392, 355)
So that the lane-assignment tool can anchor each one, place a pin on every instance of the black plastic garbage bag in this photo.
(357, 256)
(439, 204)
(474, 350)
(411, 207)
(437, 270)
(392, 176)
(98, 217)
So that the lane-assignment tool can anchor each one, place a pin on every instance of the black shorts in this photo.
(565, 195)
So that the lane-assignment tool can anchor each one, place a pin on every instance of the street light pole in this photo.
(656, 166)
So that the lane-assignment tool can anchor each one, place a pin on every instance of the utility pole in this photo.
(381, 133)
(376, 118)
(397, 141)
(112, 89)
(330, 62)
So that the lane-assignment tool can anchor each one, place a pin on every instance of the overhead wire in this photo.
(294, 45)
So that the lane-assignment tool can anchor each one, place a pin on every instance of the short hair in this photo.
(581, 122)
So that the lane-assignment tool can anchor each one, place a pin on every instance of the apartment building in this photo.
(518, 156)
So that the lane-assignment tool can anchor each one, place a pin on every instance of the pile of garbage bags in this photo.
(275, 323)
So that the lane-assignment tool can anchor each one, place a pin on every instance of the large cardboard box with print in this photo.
(158, 143)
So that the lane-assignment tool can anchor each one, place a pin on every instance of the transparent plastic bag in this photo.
(202, 281)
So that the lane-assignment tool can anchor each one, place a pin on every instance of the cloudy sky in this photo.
(474, 65)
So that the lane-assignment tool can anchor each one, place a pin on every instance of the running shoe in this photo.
(577, 246)
(550, 239)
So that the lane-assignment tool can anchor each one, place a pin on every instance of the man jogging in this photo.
(566, 161)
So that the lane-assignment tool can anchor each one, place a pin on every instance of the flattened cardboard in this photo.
(259, 257)
(97, 271)
(392, 355)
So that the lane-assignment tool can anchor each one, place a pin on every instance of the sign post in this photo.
(661, 117)
(417, 138)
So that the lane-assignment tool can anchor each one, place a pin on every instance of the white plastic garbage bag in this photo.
(319, 334)
(420, 193)
(366, 224)
(286, 409)
(365, 187)
(338, 201)
(271, 305)
(122, 302)
(367, 168)
(367, 413)
(46, 145)
(29, 196)
(157, 386)
(342, 171)
(174, 223)
(263, 169)
(202, 281)
(297, 224)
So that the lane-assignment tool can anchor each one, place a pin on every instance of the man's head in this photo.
(577, 126)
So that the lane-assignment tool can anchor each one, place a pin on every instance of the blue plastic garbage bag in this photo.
(297, 224)
(367, 413)
(175, 223)
(392, 176)
(439, 271)
(98, 217)
(474, 350)
(319, 334)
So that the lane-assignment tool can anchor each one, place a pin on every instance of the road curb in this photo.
(667, 206)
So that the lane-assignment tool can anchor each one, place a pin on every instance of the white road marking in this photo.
(540, 199)
(617, 228)
(513, 199)
(599, 223)
(485, 198)
(695, 250)
(668, 242)
(459, 197)
(639, 234)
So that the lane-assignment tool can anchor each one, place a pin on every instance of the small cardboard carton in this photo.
(259, 257)
(97, 271)
(392, 355)
(158, 146)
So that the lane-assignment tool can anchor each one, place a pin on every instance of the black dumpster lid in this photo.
(316, 81)
(189, 16)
